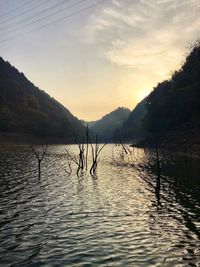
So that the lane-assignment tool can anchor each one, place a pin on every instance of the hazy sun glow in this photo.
(108, 56)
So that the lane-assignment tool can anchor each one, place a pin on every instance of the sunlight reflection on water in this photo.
(110, 220)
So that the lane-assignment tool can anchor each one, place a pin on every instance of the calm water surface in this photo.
(113, 219)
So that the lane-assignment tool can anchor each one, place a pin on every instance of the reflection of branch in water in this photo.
(179, 212)
(124, 158)
(158, 180)
(159, 165)
(125, 148)
(162, 219)
(69, 162)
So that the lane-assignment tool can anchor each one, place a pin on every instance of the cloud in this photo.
(147, 35)
(152, 53)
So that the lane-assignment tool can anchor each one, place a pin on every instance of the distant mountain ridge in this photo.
(132, 130)
(108, 124)
(26, 109)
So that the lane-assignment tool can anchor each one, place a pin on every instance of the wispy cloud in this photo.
(147, 35)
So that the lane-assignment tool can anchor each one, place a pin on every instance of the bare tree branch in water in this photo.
(81, 160)
(39, 157)
(74, 159)
(96, 150)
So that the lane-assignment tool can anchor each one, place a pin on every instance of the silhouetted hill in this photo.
(133, 128)
(173, 107)
(88, 123)
(106, 126)
(25, 109)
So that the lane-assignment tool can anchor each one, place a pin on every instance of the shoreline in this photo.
(22, 139)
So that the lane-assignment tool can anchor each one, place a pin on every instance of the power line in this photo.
(54, 22)
(13, 10)
(35, 15)
(26, 11)
(45, 17)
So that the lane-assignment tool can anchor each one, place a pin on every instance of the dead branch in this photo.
(96, 150)
(39, 157)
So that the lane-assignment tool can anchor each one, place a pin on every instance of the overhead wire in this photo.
(45, 17)
(54, 22)
(35, 15)
(13, 10)
(24, 12)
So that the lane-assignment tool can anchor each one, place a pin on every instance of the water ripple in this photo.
(113, 220)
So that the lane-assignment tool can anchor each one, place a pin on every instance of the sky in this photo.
(96, 55)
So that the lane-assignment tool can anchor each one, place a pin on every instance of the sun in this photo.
(142, 93)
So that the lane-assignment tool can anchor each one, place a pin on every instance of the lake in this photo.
(112, 219)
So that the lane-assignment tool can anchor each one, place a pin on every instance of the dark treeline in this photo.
(174, 105)
(26, 109)
(172, 109)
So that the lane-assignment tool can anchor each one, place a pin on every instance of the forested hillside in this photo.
(173, 107)
(26, 109)
(171, 112)
(175, 104)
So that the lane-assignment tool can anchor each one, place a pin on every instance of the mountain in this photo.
(88, 123)
(106, 126)
(28, 111)
(133, 129)
(173, 107)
